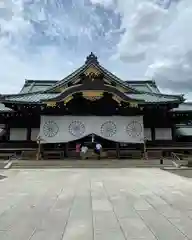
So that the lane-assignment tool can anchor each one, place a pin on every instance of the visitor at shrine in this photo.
(84, 150)
(98, 150)
(78, 149)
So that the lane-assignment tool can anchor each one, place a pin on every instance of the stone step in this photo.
(3, 163)
(89, 163)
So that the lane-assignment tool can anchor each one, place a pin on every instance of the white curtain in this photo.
(34, 134)
(163, 134)
(55, 129)
(18, 134)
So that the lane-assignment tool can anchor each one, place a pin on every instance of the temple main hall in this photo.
(131, 119)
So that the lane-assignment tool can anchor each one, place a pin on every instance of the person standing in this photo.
(98, 149)
(78, 149)
(84, 150)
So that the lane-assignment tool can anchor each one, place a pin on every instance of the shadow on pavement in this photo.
(181, 172)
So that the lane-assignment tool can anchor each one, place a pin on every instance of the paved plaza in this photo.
(99, 204)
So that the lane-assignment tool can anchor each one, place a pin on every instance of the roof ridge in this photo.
(140, 81)
(39, 80)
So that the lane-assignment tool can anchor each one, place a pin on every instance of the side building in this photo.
(91, 105)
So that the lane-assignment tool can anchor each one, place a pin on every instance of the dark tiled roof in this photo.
(40, 96)
(153, 98)
(144, 86)
(34, 91)
(183, 107)
(35, 97)
(37, 85)
(4, 109)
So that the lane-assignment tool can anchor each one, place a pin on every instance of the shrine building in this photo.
(93, 105)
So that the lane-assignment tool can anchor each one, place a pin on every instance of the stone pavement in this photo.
(99, 204)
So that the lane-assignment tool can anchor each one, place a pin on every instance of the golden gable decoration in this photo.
(67, 99)
(117, 99)
(51, 104)
(133, 104)
(61, 89)
(92, 95)
(91, 71)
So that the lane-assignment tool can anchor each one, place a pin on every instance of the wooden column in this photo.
(117, 150)
(28, 133)
(7, 133)
(153, 134)
(173, 133)
(66, 150)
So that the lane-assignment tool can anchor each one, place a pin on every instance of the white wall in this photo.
(18, 134)
(34, 133)
(147, 134)
(163, 134)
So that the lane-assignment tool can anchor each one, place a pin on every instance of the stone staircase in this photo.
(2, 164)
(5, 164)
(30, 164)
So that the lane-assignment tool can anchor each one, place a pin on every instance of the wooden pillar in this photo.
(66, 150)
(28, 133)
(173, 133)
(117, 150)
(7, 133)
(153, 134)
(41, 152)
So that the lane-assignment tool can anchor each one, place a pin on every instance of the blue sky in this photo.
(135, 39)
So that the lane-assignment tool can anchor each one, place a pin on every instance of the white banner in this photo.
(57, 129)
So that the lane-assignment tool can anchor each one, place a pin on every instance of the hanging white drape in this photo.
(56, 129)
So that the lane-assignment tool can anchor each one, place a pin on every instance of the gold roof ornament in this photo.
(67, 99)
(51, 104)
(133, 104)
(92, 95)
(61, 89)
(91, 71)
(117, 99)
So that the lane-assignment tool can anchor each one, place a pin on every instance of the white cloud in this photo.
(21, 58)
(105, 3)
(154, 40)
(41, 66)
(143, 22)
(161, 37)
(173, 59)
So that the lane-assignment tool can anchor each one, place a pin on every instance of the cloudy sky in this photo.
(135, 39)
